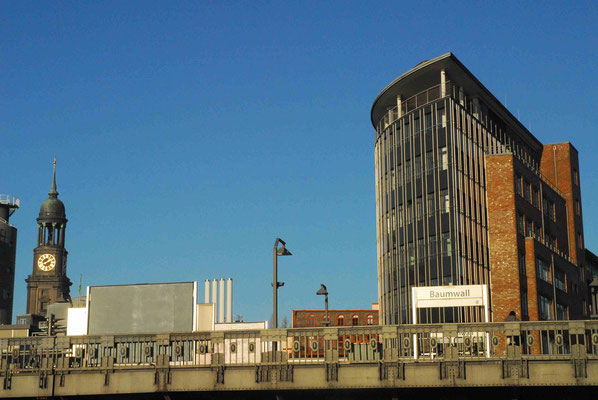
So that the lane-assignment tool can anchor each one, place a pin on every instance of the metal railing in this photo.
(344, 345)
(420, 99)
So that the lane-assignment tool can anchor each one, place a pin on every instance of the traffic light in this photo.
(52, 325)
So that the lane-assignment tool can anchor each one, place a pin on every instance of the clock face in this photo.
(46, 262)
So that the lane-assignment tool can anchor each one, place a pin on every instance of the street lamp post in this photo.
(282, 251)
(324, 292)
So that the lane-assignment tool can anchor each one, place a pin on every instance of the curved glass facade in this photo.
(431, 201)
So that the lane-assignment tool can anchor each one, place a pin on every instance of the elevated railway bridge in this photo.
(383, 359)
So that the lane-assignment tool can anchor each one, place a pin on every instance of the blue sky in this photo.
(190, 135)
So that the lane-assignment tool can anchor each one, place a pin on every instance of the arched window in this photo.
(355, 320)
(311, 320)
(340, 320)
(370, 319)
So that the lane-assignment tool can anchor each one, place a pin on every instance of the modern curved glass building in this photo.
(438, 130)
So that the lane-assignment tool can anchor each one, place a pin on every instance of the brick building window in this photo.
(524, 307)
(370, 319)
(577, 207)
(340, 320)
(576, 177)
(522, 263)
(355, 320)
(311, 320)
(560, 280)
(526, 190)
(535, 196)
(562, 312)
(518, 184)
(545, 308)
(538, 231)
(520, 223)
(529, 228)
(543, 270)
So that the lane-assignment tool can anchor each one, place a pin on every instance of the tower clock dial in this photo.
(46, 262)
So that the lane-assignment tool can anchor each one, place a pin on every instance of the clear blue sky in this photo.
(189, 135)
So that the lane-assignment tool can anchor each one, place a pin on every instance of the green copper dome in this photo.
(52, 207)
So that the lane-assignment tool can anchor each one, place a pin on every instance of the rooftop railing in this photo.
(418, 100)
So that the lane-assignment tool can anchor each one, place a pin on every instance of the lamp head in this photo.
(323, 291)
(283, 251)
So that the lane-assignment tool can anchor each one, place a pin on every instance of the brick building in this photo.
(465, 194)
(308, 318)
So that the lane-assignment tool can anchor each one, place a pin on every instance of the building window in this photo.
(421, 249)
(545, 308)
(432, 246)
(562, 312)
(430, 201)
(520, 223)
(518, 184)
(579, 240)
(538, 231)
(370, 320)
(401, 210)
(522, 263)
(418, 208)
(524, 307)
(355, 320)
(430, 162)
(529, 228)
(444, 203)
(445, 239)
(578, 207)
(442, 117)
(311, 320)
(526, 190)
(444, 158)
(543, 270)
(576, 177)
(535, 197)
(407, 171)
(418, 166)
(560, 280)
(340, 320)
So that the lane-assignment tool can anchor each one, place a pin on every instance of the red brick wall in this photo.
(502, 237)
(565, 156)
(301, 317)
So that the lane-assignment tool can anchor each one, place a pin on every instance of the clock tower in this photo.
(48, 282)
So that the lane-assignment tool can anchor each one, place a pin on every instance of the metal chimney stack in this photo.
(229, 300)
(221, 301)
(206, 296)
(220, 289)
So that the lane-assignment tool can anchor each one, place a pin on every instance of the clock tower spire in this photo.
(48, 282)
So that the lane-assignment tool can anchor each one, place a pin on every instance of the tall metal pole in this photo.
(275, 288)
(326, 307)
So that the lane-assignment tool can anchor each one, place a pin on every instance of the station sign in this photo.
(449, 296)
